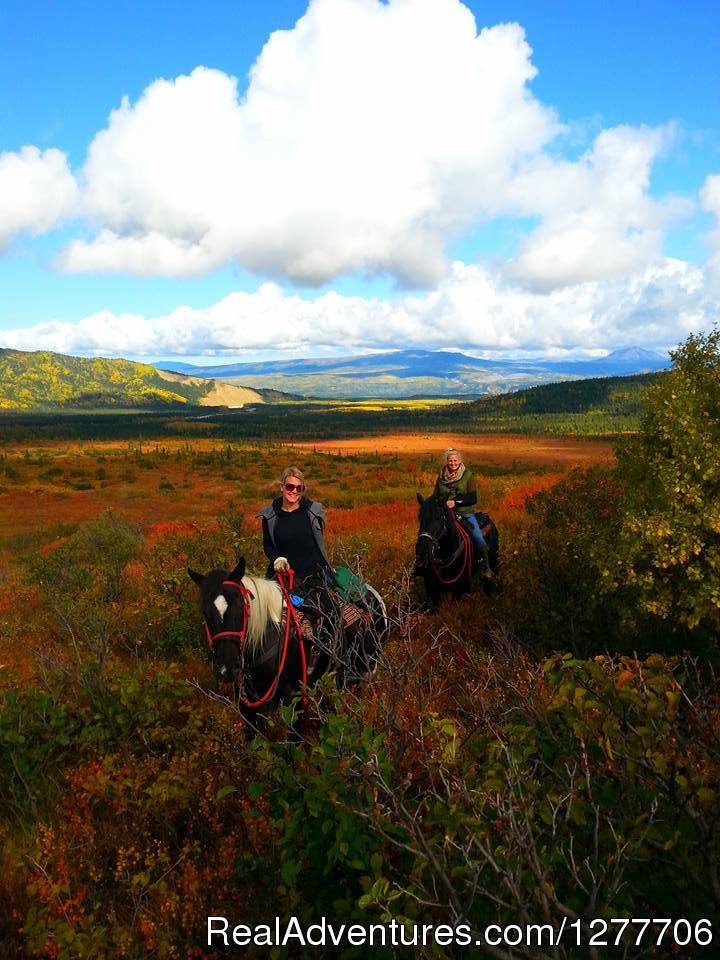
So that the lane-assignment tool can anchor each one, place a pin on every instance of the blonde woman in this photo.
(293, 527)
(455, 486)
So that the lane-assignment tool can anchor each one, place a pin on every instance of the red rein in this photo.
(286, 582)
(466, 568)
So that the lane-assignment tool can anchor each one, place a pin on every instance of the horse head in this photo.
(258, 644)
(223, 599)
(433, 527)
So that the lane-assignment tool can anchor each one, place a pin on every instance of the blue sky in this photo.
(488, 209)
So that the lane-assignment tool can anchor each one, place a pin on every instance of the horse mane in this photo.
(266, 606)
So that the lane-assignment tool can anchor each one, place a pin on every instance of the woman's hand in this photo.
(281, 565)
(451, 504)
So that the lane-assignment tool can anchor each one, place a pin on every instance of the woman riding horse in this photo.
(293, 527)
(455, 486)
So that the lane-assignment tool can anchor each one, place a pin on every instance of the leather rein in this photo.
(464, 549)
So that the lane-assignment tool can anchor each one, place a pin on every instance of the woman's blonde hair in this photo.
(452, 452)
(292, 472)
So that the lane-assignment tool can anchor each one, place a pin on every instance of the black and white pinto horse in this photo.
(259, 644)
(445, 556)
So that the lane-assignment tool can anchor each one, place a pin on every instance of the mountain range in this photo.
(408, 373)
(42, 380)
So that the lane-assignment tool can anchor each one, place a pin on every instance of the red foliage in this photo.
(516, 498)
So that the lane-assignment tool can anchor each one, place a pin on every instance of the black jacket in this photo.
(270, 514)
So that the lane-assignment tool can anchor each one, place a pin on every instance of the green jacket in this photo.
(462, 491)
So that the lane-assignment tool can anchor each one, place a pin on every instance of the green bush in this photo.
(552, 580)
(594, 796)
(671, 528)
(317, 795)
(44, 730)
(628, 559)
(83, 580)
(169, 615)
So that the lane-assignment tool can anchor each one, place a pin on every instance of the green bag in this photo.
(349, 585)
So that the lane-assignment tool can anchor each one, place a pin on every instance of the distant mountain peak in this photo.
(417, 371)
(636, 353)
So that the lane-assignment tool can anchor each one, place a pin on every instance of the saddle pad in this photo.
(305, 627)
(484, 522)
(351, 614)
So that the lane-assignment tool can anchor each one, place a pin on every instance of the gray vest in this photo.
(316, 514)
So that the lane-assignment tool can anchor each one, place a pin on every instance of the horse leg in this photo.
(254, 722)
(490, 585)
(432, 590)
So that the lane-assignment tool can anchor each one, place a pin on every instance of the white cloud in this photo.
(598, 221)
(474, 307)
(153, 254)
(37, 190)
(710, 195)
(710, 200)
(370, 134)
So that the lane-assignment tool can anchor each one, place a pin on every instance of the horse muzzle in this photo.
(424, 552)
(226, 672)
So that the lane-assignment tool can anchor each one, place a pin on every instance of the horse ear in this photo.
(239, 572)
(420, 498)
(199, 578)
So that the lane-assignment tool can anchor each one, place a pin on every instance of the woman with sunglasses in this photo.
(293, 528)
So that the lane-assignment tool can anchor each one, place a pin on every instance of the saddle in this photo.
(484, 522)
(349, 614)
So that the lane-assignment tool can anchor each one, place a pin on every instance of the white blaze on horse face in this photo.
(221, 605)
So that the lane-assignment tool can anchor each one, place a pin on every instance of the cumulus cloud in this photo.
(598, 221)
(37, 191)
(369, 135)
(475, 307)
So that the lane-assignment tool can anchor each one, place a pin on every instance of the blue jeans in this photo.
(475, 531)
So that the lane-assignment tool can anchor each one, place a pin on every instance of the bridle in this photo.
(463, 549)
(239, 635)
(435, 540)
(286, 583)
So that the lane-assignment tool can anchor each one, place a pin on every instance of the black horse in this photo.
(260, 645)
(445, 555)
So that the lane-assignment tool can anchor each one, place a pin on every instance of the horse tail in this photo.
(378, 610)
(375, 638)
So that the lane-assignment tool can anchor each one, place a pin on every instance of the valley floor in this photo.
(495, 449)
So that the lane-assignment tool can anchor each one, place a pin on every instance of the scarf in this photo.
(448, 477)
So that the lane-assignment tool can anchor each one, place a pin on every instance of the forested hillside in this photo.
(597, 407)
(44, 380)
(612, 395)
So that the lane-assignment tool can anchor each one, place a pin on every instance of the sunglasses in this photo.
(294, 487)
